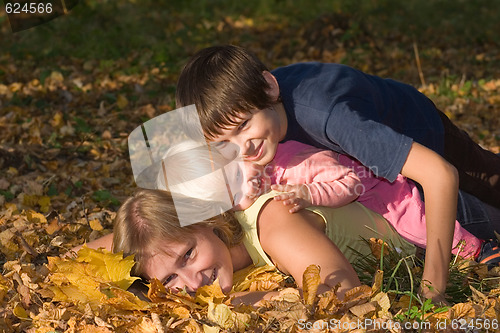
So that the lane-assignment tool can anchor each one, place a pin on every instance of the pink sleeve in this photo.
(329, 183)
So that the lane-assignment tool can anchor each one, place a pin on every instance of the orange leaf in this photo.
(310, 283)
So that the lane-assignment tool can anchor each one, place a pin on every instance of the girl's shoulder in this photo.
(248, 217)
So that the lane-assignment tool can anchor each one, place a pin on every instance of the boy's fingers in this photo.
(285, 196)
(283, 188)
(277, 187)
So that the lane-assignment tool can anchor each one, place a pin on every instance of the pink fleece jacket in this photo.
(335, 180)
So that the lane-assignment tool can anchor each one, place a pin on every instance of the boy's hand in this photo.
(296, 195)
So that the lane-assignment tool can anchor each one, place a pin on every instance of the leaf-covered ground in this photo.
(73, 89)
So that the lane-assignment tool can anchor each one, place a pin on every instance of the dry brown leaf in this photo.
(5, 286)
(53, 227)
(281, 310)
(157, 293)
(290, 295)
(478, 296)
(264, 286)
(383, 302)
(378, 279)
(377, 246)
(311, 280)
(357, 293)
(221, 315)
(355, 296)
(462, 310)
(328, 302)
(363, 310)
(263, 278)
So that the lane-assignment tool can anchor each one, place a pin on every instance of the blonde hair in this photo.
(148, 220)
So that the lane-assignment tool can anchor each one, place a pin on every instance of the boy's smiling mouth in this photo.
(258, 153)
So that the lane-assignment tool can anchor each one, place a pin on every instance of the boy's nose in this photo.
(230, 151)
(247, 148)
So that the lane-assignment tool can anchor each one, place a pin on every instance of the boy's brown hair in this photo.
(223, 81)
(147, 221)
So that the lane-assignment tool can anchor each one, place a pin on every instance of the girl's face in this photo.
(247, 181)
(194, 263)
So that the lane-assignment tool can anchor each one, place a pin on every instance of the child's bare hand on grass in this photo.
(294, 194)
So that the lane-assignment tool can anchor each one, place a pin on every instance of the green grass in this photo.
(166, 31)
(403, 276)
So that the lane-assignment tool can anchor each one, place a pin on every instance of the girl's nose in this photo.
(192, 280)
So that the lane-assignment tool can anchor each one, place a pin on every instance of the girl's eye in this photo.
(237, 198)
(168, 279)
(243, 125)
(219, 144)
(188, 254)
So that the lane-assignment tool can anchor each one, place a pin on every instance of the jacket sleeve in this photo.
(329, 183)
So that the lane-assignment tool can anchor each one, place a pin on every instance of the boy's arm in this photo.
(327, 182)
(439, 180)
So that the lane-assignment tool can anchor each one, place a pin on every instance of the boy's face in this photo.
(247, 181)
(256, 135)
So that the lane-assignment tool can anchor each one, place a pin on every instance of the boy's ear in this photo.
(274, 89)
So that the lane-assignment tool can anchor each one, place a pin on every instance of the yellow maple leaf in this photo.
(111, 267)
(210, 294)
(95, 225)
(35, 217)
(81, 279)
(123, 299)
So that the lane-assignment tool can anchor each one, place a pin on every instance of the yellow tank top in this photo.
(348, 227)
